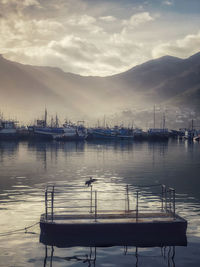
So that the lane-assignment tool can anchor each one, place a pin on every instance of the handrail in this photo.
(137, 205)
(95, 206)
(46, 206)
(54, 205)
(127, 195)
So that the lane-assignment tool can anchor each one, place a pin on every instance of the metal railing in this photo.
(168, 200)
(57, 198)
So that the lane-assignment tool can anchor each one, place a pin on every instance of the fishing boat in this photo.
(71, 132)
(8, 129)
(44, 131)
(197, 138)
(190, 134)
(116, 133)
(100, 133)
(158, 134)
(155, 134)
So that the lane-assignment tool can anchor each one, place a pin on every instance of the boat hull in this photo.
(44, 132)
(8, 134)
(103, 136)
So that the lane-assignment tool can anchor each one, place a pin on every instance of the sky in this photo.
(97, 37)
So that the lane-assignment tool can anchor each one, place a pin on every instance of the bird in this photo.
(89, 182)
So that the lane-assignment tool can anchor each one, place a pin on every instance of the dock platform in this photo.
(94, 225)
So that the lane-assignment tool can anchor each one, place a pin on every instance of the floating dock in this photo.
(91, 221)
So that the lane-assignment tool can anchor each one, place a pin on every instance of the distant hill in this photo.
(167, 79)
(25, 90)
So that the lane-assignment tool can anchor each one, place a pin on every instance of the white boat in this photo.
(71, 132)
(8, 129)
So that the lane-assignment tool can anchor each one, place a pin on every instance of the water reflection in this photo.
(143, 162)
(49, 151)
(8, 149)
(89, 256)
(54, 146)
(26, 167)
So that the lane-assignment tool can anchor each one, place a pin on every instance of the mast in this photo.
(51, 122)
(45, 118)
(104, 121)
(163, 120)
(56, 120)
(154, 116)
(192, 124)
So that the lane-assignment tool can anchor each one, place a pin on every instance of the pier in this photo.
(81, 216)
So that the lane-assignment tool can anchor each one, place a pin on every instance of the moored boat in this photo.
(8, 129)
(116, 133)
(71, 132)
(155, 134)
(190, 135)
(43, 131)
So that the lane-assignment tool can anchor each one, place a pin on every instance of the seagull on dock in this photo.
(89, 182)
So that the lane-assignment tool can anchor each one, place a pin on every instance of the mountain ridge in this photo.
(27, 89)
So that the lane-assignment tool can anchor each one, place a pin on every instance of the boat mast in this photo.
(192, 124)
(163, 120)
(45, 118)
(56, 120)
(51, 121)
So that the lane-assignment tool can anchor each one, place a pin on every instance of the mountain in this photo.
(167, 79)
(25, 90)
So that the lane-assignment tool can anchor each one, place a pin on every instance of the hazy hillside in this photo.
(26, 90)
(165, 79)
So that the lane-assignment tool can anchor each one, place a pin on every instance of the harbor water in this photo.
(27, 167)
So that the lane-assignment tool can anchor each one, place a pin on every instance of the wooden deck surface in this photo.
(130, 217)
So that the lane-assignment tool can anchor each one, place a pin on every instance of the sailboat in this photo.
(158, 133)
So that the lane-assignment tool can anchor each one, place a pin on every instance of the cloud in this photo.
(37, 28)
(30, 3)
(108, 18)
(18, 5)
(138, 19)
(184, 47)
(90, 39)
(135, 21)
(77, 43)
(168, 3)
(75, 48)
(83, 20)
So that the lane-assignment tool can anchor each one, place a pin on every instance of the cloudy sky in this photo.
(97, 37)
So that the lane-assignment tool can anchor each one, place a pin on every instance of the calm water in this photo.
(25, 169)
